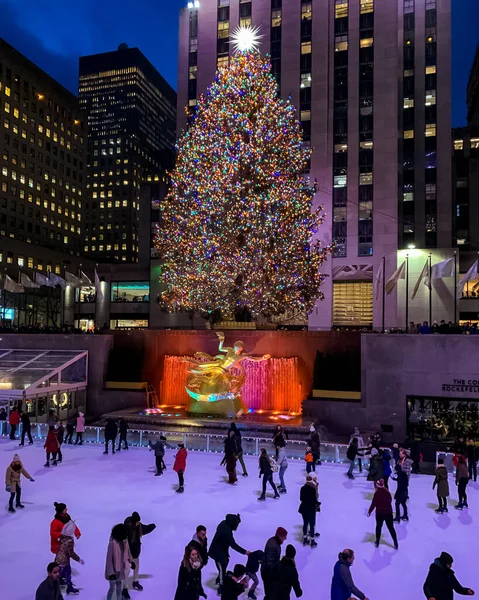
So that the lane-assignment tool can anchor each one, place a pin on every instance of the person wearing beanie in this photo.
(49, 589)
(180, 467)
(136, 530)
(442, 482)
(80, 428)
(13, 484)
(287, 578)
(342, 585)
(402, 494)
(235, 583)
(252, 567)
(375, 466)
(441, 582)
(223, 540)
(272, 556)
(307, 509)
(56, 526)
(51, 446)
(65, 553)
(382, 503)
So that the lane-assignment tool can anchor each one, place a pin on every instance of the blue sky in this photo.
(54, 36)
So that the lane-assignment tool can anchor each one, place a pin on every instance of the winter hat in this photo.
(380, 483)
(181, 445)
(16, 458)
(69, 528)
(446, 559)
(374, 452)
(281, 532)
(290, 551)
(135, 517)
(239, 570)
(59, 507)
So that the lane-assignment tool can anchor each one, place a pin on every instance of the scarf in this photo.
(120, 556)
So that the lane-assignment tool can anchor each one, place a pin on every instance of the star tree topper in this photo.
(246, 39)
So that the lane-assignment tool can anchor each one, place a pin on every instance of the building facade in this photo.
(371, 83)
(131, 117)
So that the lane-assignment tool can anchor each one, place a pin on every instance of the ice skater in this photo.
(441, 583)
(361, 446)
(315, 445)
(386, 466)
(307, 509)
(472, 455)
(65, 553)
(13, 484)
(180, 467)
(49, 589)
(51, 446)
(123, 428)
(351, 454)
(272, 557)
(60, 438)
(283, 465)
(26, 428)
(442, 482)
(14, 421)
(253, 564)
(309, 460)
(159, 449)
(287, 578)
(111, 431)
(60, 519)
(230, 456)
(190, 586)
(266, 470)
(199, 541)
(118, 561)
(342, 586)
(70, 429)
(278, 439)
(382, 503)
(80, 428)
(375, 472)
(239, 448)
(402, 494)
(136, 530)
(462, 479)
(236, 582)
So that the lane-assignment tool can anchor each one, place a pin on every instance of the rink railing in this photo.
(203, 442)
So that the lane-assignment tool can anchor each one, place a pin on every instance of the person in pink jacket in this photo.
(80, 428)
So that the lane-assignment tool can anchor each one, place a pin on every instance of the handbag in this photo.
(274, 465)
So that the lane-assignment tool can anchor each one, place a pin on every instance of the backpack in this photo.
(274, 465)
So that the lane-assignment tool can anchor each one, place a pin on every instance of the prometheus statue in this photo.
(214, 382)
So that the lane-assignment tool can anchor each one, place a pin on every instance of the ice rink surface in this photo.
(101, 491)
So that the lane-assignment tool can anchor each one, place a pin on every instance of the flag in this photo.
(377, 281)
(42, 280)
(27, 282)
(469, 276)
(399, 273)
(56, 280)
(443, 269)
(10, 286)
(99, 293)
(423, 275)
(84, 279)
(72, 280)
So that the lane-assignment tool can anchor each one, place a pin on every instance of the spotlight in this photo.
(411, 246)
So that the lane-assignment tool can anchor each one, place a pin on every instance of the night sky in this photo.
(54, 37)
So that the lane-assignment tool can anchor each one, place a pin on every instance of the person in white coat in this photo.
(283, 465)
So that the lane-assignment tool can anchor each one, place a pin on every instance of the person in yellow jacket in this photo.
(12, 482)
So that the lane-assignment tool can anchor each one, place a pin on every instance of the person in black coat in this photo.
(49, 589)
(123, 430)
(307, 509)
(255, 559)
(111, 431)
(223, 540)
(200, 543)
(314, 443)
(239, 447)
(136, 530)
(278, 439)
(266, 471)
(26, 428)
(472, 455)
(272, 557)
(287, 578)
(402, 494)
(230, 456)
(441, 583)
(189, 576)
(235, 583)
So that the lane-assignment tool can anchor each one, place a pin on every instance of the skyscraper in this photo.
(131, 115)
(370, 80)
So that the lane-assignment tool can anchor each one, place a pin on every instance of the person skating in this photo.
(60, 438)
(442, 482)
(51, 446)
(123, 428)
(405, 462)
(472, 455)
(51, 418)
(386, 467)
(136, 530)
(307, 509)
(189, 576)
(375, 472)
(239, 448)
(49, 589)
(26, 428)
(159, 449)
(230, 456)
(342, 585)
(272, 557)
(309, 460)
(402, 494)
(72, 420)
(441, 582)
(283, 465)
(382, 503)
(235, 583)
(199, 541)
(13, 484)
(14, 420)
(287, 578)
(65, 553)
(80, 428)
(462, 479)
(60, 519)
(266, 471)
(278, 439)
(111, 431)
(361, 446)
(315, 445)
(252, 567)
(351, 454)
(223, 540)
(180, 467)
(118, 561)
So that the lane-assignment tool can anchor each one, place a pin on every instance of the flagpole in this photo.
(407, 296)
(384, 290)
(455, 287)
(430, 289)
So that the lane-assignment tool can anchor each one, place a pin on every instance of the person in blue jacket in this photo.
(386, 466)
(342, 586)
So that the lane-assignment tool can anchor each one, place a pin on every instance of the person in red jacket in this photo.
(180, 466)
(14, 420)
(382, 502)
(56, 526)
(51, 446)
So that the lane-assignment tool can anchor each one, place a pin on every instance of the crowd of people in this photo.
(58, 329)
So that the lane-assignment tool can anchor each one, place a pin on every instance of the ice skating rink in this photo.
(101, 491)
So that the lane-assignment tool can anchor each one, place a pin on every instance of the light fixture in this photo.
(246, 39)
(411, 246)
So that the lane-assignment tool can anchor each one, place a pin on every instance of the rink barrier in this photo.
(448, 458)
(201, 442)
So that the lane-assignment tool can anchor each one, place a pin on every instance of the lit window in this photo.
(408, 102)
(305, 80)
(365, 179)
(341, 43)
(245, 22)
(341, 9)
(340, 181)
(30, 262)
(305, 47)
(16, 113)
(366, 42)
(408, 196)
(6, 107)
(306, 11)
(276, 18)
(125, 203)
(475, 143)
(430, 129)
(430, 97)
(366, 145)
(458, 144)
(20, 261)
(8, 91)
(223, 29)
(409, 134)
(192, 72)
(409, 73)
(431, 70)
(367, 6)
(305, 115)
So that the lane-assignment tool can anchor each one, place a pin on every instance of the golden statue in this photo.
(214, 382)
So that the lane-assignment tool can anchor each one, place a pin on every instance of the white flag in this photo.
(469, 276)
(424, 275)
(56, 280)
(443, 269)
(10, 286)
(399, 273)
(84, 279)
(42, 280)
(27, 282)
(99, 293)
(377, 281)
(72, 280)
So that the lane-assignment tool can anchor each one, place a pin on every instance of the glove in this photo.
(31, 479)
(133, 566)
(81, 561)
(8, 488)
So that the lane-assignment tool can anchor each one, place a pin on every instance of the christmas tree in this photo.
(237, 229)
